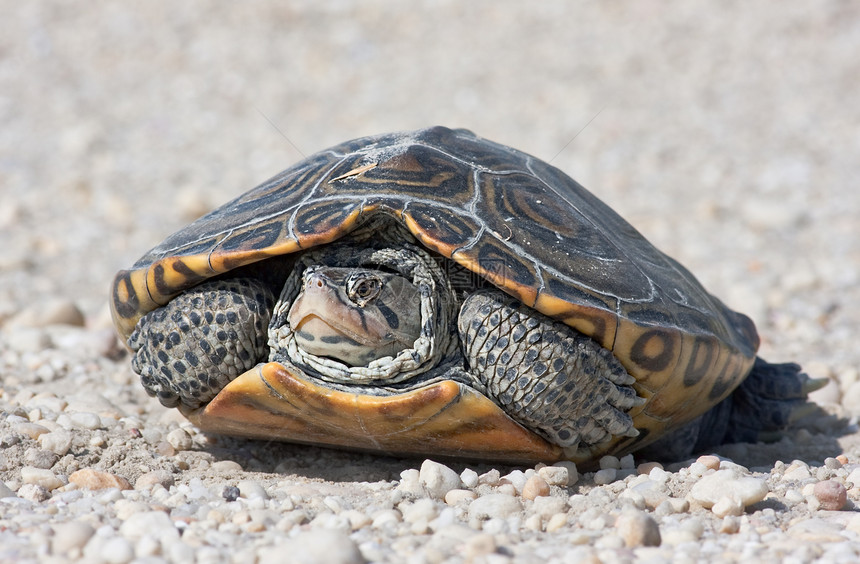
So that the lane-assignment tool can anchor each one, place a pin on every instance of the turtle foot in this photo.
(553, 380)
(188, 350)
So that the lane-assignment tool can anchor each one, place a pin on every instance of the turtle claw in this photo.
(814, 384)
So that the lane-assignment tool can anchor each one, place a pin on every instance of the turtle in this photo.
(434, 293)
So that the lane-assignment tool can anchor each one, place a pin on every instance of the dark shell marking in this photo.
(518, 222)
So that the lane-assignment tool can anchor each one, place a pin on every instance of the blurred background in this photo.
(728, 133)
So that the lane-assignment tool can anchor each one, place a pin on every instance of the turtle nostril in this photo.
(319, 284)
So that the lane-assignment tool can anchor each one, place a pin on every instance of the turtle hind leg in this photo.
(186, 351)
(553, 380)
(766, 402)
(769, 400)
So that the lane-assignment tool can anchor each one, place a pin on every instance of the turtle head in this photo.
(355, 315)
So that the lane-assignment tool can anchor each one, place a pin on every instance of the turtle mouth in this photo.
(312, 327)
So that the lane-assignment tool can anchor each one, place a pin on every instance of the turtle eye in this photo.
(363, 287)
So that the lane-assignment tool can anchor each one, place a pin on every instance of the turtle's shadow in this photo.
(334, 465)
(811, 440)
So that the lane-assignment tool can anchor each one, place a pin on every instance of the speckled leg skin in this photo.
(188, 350)
(544, 374)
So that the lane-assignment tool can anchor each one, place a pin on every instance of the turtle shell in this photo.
(514, 220)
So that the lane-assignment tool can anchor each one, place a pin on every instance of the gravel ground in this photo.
(728, 136)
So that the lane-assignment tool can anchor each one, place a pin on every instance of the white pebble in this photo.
(437, 479)
(728, 506)
(86, 420)
(653, 493)
(490, 477)
(58, 441)
(659, 475)
(179, 439)
(250, 490)
(547, 506)
(517, 478)
(627, 462)
(423, 509)
(5, 491)
(556, 522)
(409, 482)
(154, 523)
(554, 475)
(727, 483)
(605, 476)
(386, 518)
(31, 430)
(34, 493)
(469, 478)
(609, 462)
(67, 536)
(572, 473)
(226, 466)
(316, 546)
(637, 528)
(494, 506)
(40, 477)
(117, 550)
(797, 471)
(458, 496)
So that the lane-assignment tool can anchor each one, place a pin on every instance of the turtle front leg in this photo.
(188, 350)
(552, 379)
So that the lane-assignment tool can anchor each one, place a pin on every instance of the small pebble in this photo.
(637, 528)
(31, 430)
(535, 487)
(39, 458)
(91, 479)
(709, 461)
(728, 483)
(315, 546)
(117, 550)
(490, 478)
(34, 493)
(6, 491)
(179, 439)
(831, 495)
(556, 522)
(154, 523)
(730, 525)
(469, 478)
(86, 420)
(250, 489)
(494, 506)
(479, 546)
(727, 505)
(58, 441)
(40, 477)
(458, 496)
(437, 479)
(160, 477)
(646, 467)
(421, 510)
(226, 466)
(605, 476)
(555, 475)
(547, 506)
(609, 462)
(70, 535)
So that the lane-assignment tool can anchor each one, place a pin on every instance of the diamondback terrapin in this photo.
(435, 293)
